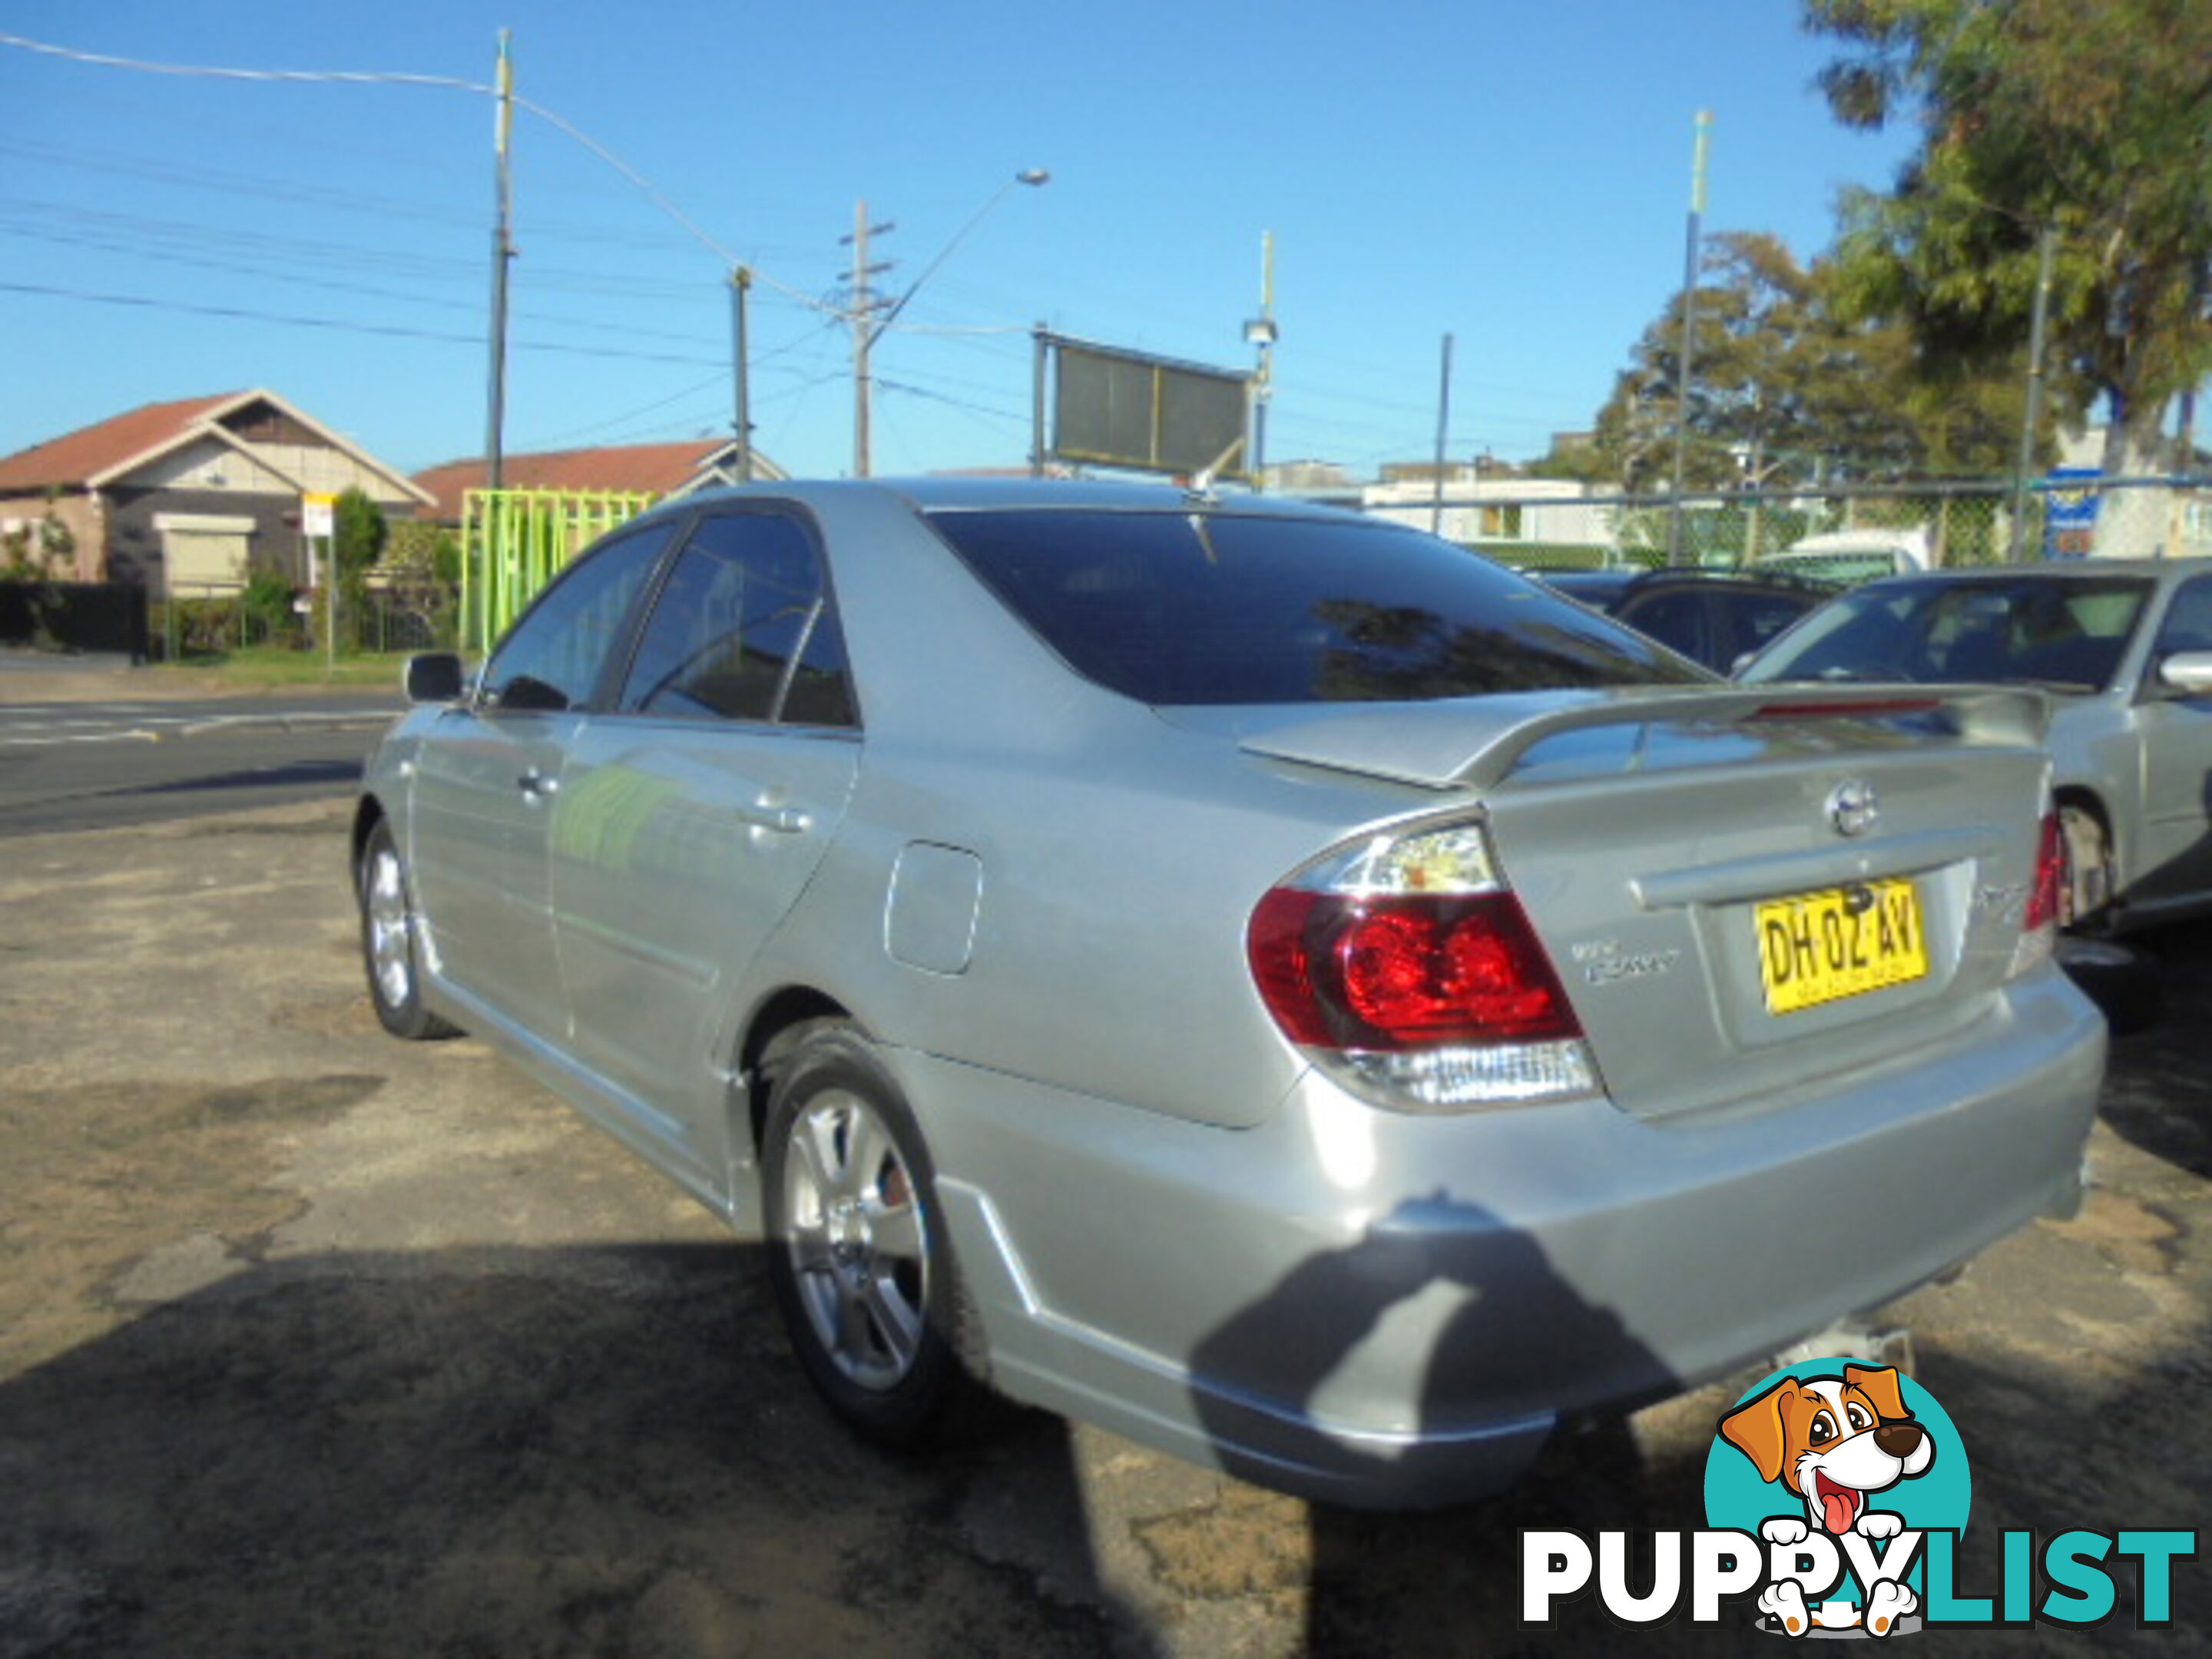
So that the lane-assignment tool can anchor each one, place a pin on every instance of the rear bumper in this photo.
(1385, 1310)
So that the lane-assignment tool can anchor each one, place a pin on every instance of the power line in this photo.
(442, 83)
(336, 325)
(324, 284)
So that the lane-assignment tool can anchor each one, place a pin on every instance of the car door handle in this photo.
(537, 786)
(783, 820)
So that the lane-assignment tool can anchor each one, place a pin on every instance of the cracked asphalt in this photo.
(312, 1342)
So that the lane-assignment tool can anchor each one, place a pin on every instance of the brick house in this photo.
(186, 498)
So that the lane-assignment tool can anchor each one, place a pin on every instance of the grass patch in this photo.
(258, 667)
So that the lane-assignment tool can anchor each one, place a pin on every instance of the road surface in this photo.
(91, 765)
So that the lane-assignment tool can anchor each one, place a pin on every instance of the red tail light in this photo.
(2044, 897)
(1405, 972)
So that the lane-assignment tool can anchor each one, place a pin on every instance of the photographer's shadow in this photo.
(1502, 1340)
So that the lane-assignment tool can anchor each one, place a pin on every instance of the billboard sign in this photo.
(1129, 409)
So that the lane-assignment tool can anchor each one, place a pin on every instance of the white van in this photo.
(1851, 557)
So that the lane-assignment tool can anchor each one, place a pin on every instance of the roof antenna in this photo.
(1201, 487)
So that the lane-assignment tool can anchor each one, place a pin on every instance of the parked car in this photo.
(1253, 976)
(2124, 647)
(1716, 617)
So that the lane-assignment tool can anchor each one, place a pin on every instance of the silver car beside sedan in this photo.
(1262, 980)
(2125, 650)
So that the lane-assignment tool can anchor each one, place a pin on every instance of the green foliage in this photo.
(2096, 122)
(267, 602)
(359, 531)
(357, 538)
(423, 563)
(1576, 459)
(37, 551)
(1786, 388)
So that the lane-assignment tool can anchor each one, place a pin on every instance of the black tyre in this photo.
(857, 1253)
(2086, 894)
(389, 949)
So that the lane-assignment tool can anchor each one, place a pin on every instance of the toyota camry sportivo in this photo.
(1262, 980)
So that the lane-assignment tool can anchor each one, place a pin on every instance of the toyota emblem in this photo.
(1853, 807)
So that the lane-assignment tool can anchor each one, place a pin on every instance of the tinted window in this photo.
(2067, 633)
(1676, 619)
(1230, 608)
(2189, 621)
(552, 657)
(743, 629)
(1749, 621)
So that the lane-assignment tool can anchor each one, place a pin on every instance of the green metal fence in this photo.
(514, 542)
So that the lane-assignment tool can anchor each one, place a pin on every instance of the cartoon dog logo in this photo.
(1831, 1441)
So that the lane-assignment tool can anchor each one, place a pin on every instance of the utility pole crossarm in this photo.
(869, 316)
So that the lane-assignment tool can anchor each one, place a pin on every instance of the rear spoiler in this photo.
(1449, 744)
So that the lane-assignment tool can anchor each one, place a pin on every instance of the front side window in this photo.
(1235, 608)
(743, 629)
(552, 658)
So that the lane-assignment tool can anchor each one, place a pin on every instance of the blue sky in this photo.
(1516, 176)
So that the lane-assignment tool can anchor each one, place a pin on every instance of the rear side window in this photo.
(1675, 619)
(1224, 608)
(743, 629)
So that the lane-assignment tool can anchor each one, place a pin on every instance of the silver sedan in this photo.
(1265, 980)
(2125, 650)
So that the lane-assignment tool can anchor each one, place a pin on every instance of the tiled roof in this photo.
(659, 468)
(76, 457)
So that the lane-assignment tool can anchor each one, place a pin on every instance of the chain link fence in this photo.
(1840, 534)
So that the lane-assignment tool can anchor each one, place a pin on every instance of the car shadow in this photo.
(506, 1453)
(2159, 1095)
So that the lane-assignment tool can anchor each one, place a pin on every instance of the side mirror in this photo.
(435, 676)
(2189, 672)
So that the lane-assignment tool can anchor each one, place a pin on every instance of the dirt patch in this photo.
(1250, 1542)
(339, 1017)
(2130, 1235)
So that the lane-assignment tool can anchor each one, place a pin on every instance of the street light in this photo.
(866, 333)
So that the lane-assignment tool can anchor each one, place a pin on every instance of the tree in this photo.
(40, 550)
(1574, 457)
(1784, 389)
(358, 533)
(2095, 122)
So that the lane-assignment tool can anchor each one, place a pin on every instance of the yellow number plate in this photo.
(1819, 947)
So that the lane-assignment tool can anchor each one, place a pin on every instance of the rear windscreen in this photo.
(1198, 608)
(2068, 632)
